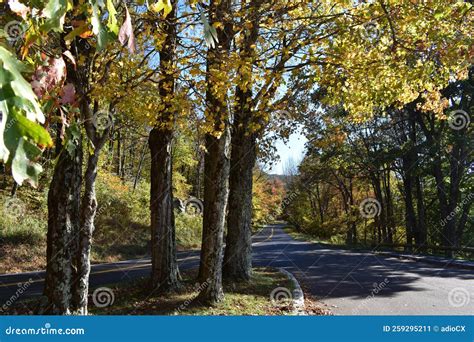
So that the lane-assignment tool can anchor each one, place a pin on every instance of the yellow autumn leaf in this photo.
(164, 5)
(217, 25)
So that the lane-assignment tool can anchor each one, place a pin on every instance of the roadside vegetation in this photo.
(135, 128)
(256, 297)
(122, 229)
(252, 298)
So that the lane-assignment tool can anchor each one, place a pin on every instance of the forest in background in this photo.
(138, 104)
(401, 178)
(122, 220)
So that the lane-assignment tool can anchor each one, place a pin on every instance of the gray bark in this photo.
(238, 251)
(164, 273)
(63, 228)
(216, 163)
(80, 286)
(215, 204)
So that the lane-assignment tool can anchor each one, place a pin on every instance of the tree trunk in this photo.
(216, 162)
(216, 170)
(410, 218)
(63, 228)
(353, 229)
(139, 169)
(421, 222)
(390, 221)
(164, 273)
(118, 161)
(83, 262)
(238, 251)
(320, 203)
(381, 218)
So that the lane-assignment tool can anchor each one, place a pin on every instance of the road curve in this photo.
(363, 283)
(348, 282)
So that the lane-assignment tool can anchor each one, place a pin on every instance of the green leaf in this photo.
(21, 138)
(19, 144)
(97, 28)
(210, 33)
(76, 32)
(55, 12)
(73, 136)
(11, 75)
(112, 23)
(23, 167)
(18, 126)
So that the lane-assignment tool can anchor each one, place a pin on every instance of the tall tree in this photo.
(238, 251)
(165, 272)
(217, 159)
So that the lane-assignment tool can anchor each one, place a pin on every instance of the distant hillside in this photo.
(282, 178)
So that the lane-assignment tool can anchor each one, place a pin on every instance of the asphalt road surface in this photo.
(348, 282)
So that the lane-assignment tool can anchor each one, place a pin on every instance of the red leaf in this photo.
(46, 78)
(68, 94)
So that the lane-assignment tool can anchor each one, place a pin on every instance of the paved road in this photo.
(349, 283)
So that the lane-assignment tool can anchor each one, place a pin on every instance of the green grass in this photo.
(252, 298)
(23, 227)
(301, 235)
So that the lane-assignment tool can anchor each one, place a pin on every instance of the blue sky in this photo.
(293, 149)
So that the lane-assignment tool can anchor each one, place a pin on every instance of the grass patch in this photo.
(300, 235)
(23, 226)
(241, 299)
(252, 298)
